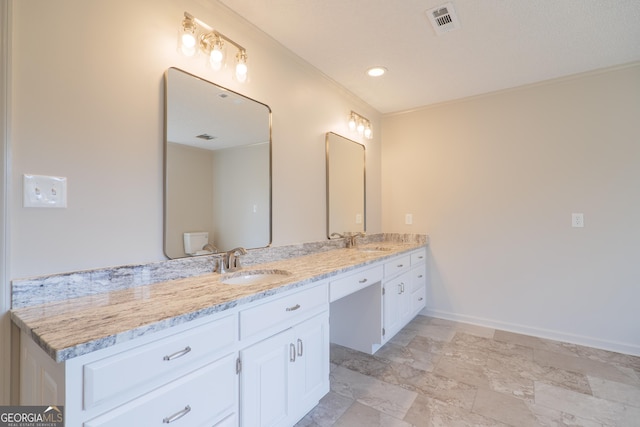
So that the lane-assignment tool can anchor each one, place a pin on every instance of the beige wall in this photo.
(494, 180)
(190, 195)
(88, 105)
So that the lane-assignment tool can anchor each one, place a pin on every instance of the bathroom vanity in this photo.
(197, 351)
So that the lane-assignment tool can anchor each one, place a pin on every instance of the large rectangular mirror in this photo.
(345, 185)
(217, 193)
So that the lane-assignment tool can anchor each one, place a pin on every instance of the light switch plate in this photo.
(41, 191)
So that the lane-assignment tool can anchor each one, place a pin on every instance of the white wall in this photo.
(494, 180)
(88, 105)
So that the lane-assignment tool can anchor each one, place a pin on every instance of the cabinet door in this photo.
(309, 375)
(264, 381)
(397, 304)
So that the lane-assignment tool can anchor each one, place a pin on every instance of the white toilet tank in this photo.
(194, 242)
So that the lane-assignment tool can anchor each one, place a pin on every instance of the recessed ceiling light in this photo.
(376, 71)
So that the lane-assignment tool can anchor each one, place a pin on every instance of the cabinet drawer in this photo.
(343, 286)
(418, 278)
(397, 265)
(418, 257)
(285, 309)
(203, 397)
(103, 379)
(418, 300)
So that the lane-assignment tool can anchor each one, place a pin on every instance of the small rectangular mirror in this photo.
(346, 184)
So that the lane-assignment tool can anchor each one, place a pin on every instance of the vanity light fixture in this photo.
(361, 124)
(195, 35)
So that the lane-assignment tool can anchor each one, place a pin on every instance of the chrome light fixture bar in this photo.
(196, 35)
(361, 124)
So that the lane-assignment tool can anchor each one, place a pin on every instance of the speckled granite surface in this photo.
(87, 311)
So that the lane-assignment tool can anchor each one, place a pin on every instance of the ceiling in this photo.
(500, 43)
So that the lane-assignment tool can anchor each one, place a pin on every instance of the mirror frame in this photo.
(328, 182)
(165, 147)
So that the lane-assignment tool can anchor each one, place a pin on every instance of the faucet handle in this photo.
(337, 235)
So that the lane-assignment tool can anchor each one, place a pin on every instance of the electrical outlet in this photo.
(408, 219)
(44, 191)
(358, 218)
(577, 220)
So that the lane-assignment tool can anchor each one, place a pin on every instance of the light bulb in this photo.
(188, 37)
(216, 57)
(352, 122)
(241, 67)
(367, 132)
(360, 128)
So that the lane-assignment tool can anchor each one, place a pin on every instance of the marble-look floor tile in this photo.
(469, 373)
(418, 359)
(436, 332)
(504, 408)
(359, 415)
(388, 398)
(615, 391)
(535, 342)
(427, 345)
(589, 407)
(427, 411)
(467, 328)
(515, 376)
(594, 368)
(460, 377)
(327, 412)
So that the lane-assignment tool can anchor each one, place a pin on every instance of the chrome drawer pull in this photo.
(292, 353)
(419, 276)
(294, 308)
(363, 280)
(420, 299)
(177, 415)
(300, 348)
(177, 354)
(400, 265)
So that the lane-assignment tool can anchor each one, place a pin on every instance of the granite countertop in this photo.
(73, 327)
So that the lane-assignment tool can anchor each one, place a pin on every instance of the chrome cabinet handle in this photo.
(419, 276)
(177, 354)
(300, 347)
(363, 280)
(399, 288)
(294, 308)
(292, 353)
(420, 299)
(177, 415)
(400, 265)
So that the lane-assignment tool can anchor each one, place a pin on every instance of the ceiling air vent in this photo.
(443, 18)
(206, 137)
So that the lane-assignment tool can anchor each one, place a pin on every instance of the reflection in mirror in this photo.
(345, 185)
(217, 168)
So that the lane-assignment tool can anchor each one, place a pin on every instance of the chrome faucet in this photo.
(230, 261)
(349, 238)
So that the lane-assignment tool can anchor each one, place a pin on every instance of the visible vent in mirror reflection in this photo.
(206, 137)
(443, 18)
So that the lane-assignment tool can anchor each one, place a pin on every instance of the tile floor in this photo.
(441, 373)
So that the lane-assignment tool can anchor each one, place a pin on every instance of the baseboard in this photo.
(617, 347)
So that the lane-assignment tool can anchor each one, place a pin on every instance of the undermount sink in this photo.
(254, 277)
(373, 249)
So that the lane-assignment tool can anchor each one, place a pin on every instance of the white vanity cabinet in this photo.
(259, 363)
(404, 291)
(283, 376)
(186, 374)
